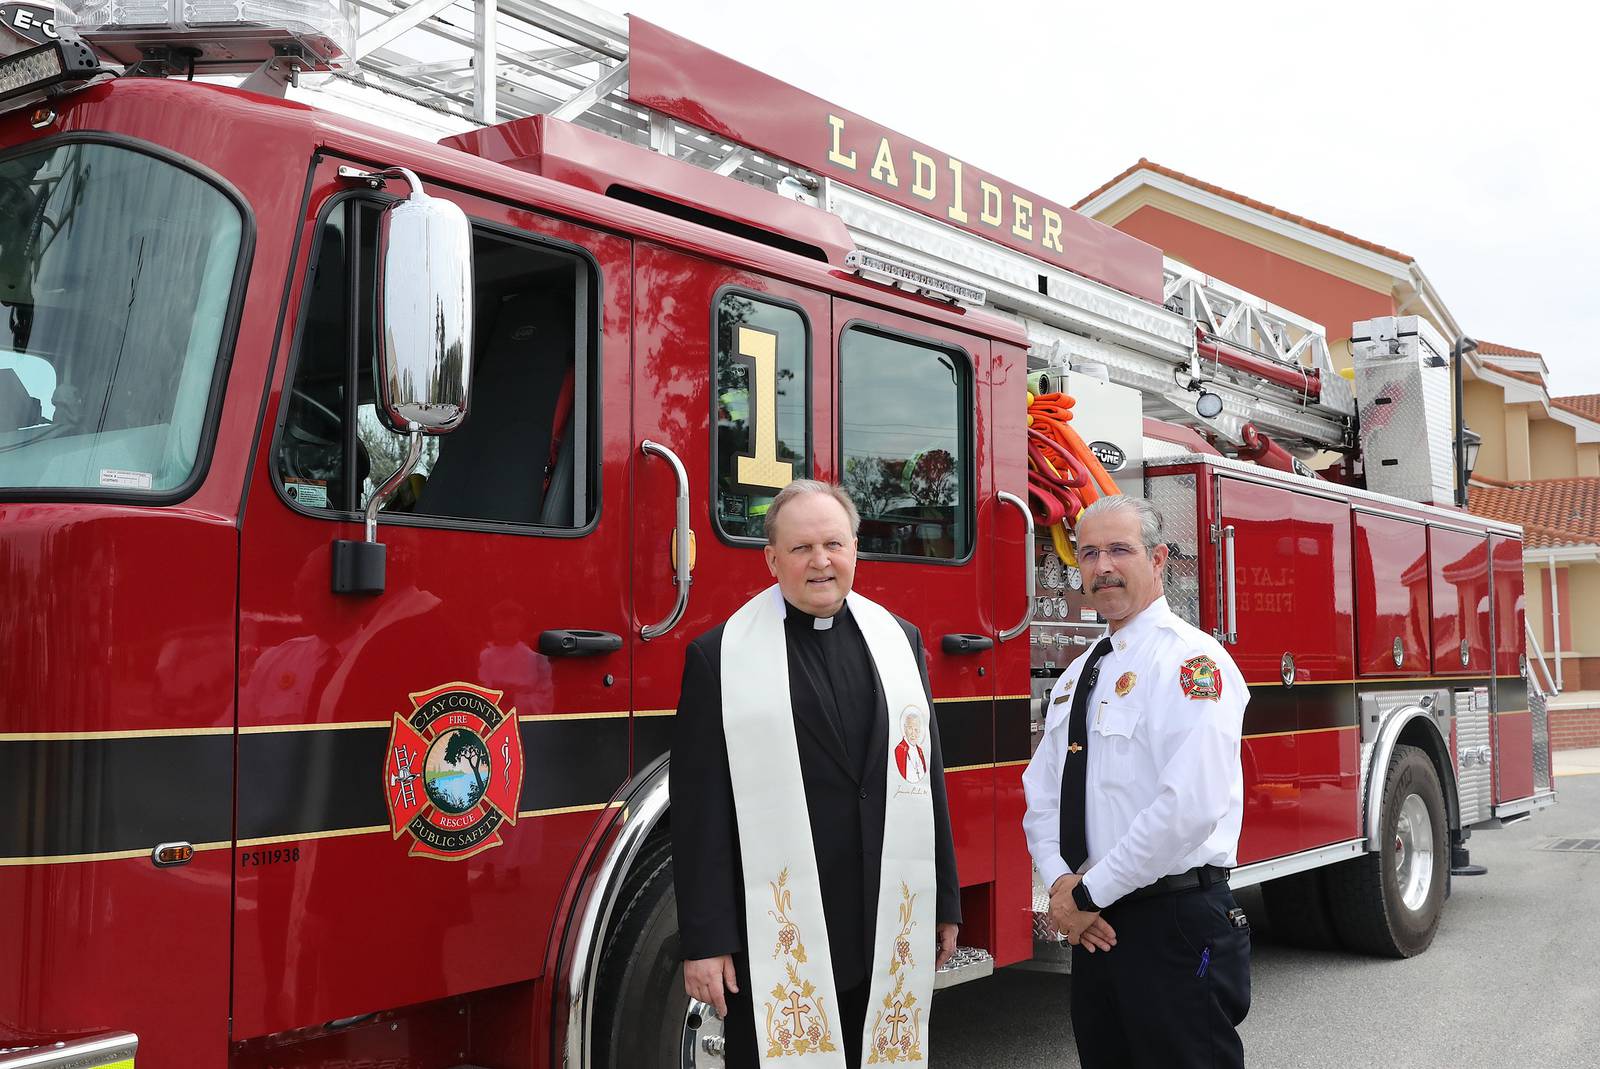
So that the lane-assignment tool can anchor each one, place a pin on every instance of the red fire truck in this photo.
(359, 492)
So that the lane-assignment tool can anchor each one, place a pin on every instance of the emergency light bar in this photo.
(38, 71)
(220, 36)
(920, 281)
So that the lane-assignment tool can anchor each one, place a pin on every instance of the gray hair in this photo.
(1151, 526)
(801, 487)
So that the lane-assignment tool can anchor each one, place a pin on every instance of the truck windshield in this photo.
(116, 269)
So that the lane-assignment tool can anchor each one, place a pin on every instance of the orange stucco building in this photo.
(1539, 462)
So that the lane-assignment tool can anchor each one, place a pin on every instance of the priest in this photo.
(816, 880)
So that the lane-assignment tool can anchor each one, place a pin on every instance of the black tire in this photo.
(640, 1003)
(1369, 912)
(1298, 913)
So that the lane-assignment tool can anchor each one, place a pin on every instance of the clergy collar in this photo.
(800, 618)
(1151, 616)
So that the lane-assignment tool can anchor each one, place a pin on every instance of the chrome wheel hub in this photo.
(702, 1038)
(1413, 852)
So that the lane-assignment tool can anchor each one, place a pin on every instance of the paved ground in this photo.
(1513, 978)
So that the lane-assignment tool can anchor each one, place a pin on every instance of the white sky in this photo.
(1465, 134)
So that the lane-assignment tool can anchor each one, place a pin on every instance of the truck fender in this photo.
(1400, 722)
(637, 810)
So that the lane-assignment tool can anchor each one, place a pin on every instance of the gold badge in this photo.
(1074, 748)
(1125, 683)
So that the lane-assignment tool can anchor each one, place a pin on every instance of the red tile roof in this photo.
(1249, 202)
(1489, 348)
(1586, 405)
(1551, 511)
(1525, 376)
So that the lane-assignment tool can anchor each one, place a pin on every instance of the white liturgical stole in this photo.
(791, 971)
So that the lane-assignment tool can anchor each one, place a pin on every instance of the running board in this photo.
(966, 964)
(1515, 812)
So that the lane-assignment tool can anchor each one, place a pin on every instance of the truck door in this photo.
(914, 451)
(731, 381)
(419, 768)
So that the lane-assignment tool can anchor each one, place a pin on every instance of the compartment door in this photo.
(1513, 722)
(1290, 633)
(1395, 631)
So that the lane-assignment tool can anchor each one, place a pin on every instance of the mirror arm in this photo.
(375, 179)
(392, 483)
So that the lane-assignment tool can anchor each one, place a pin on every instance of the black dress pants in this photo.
(739, 1029)
(1171, 993)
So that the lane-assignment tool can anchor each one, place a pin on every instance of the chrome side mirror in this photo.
(424, 312)
(424, 316)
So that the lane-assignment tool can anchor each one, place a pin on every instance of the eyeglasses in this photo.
(1119, 552)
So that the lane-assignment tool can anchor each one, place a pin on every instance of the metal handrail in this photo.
(109, 1049)
(681, 577)
(1028, 564)
(1551, 686)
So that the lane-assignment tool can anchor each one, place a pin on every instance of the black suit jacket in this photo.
(846, 811)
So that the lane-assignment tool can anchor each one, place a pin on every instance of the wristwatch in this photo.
(1081, 899)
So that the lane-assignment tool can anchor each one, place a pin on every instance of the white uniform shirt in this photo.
(1164, 791)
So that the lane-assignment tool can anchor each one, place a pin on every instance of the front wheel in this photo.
(1388, 902)
(643, 1017)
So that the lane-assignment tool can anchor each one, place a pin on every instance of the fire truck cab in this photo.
(203, 651)
(359, 493)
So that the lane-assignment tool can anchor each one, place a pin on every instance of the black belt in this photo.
(1200, 877)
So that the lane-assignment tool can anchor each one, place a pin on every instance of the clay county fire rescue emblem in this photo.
(1200, 680)
(454, 771)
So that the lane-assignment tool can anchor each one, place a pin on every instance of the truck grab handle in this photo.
(1027, 564)
(1230, 624)
(681, 577)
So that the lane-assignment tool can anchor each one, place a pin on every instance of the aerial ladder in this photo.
(1209, 356)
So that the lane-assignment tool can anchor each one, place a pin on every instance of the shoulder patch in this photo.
(1200, 680)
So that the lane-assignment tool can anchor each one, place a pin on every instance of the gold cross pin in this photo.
(1074, 748)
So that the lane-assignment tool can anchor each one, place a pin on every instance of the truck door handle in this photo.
(575, 643)
(966, 643)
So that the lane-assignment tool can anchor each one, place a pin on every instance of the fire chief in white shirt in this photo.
(1135, 798)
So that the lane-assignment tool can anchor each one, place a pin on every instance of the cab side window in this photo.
(524, 454)
(906, 443)
(762, 431)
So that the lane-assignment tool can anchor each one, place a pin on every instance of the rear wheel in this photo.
(642, 1015)
(1388, 902)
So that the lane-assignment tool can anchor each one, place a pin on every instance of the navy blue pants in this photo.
(1171, 993)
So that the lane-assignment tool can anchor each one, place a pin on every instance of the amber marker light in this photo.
(168, 854)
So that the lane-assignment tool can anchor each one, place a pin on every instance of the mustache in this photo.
(1104, 582)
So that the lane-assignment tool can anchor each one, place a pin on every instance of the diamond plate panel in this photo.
(1541, 738)
(1473, 779)
(1406, 430)
(1174, 497)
